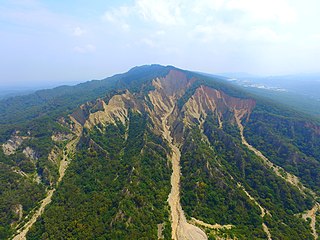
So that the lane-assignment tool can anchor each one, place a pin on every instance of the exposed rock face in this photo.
(18, 210)
(207, 100)
(30, 153)
(174, 84)
(63, 163)
(53, 155)
(115, 110)
(164, 113)
(13, 144)
(161, 106)
(60, 137)
(167, 91)
(192, 130)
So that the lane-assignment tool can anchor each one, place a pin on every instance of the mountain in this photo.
(157, 153)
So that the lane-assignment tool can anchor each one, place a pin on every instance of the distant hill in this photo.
(301, 91)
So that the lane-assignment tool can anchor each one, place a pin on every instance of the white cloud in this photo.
(78, 31)
(118, 16)
(203, 33)
(88, 48)
(265, 10)
(209, 19)
(202, 6)
(166, 12)
(315, 37)
(34, 16)
(265, 34)
(227, 33)
(148, 42)
(163, 12)
(160, 32)
(218, 32)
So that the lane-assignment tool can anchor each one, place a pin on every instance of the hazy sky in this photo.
(81, 40)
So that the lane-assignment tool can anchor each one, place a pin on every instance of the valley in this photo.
(181, 229)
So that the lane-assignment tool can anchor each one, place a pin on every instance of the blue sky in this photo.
(65, 41)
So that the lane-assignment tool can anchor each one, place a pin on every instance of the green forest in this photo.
(117, 183)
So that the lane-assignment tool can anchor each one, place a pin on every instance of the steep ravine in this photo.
(181, 229)
(288, 177)
(23, 231)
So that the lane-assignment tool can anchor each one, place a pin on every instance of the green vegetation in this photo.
(318, 224)
(296, 140)
(15, 190)
(291, 100)
(118, 182)
(211, 193)
(63, 100)
(115, 189)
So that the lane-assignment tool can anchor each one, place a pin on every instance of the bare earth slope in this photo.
(181, 229)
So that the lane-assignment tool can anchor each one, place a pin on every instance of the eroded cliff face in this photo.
(167, 118)
(169, 121)
(13, 144)
(205, 101)
(116, 110)
(163, 99)
(208, 101)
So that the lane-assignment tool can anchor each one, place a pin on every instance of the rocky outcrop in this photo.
(174, 84)
(69, 152)
(13, 144)
(18, 211)
(207, 101)
(116, 110)
(61, 137)
(165, 116)
(30, 153)
(54, 155)
(167, 91)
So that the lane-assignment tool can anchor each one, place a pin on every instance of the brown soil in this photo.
(312, 215)
(181, 229)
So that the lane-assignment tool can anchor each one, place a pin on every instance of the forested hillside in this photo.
(157, 153)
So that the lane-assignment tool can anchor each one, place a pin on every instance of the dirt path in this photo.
(288, 177)
(263, 211)
(266, 230)
(207, 225)
(181, 229)
(312, 215)
(22, 232)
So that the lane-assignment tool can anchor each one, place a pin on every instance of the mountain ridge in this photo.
(182, 156)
